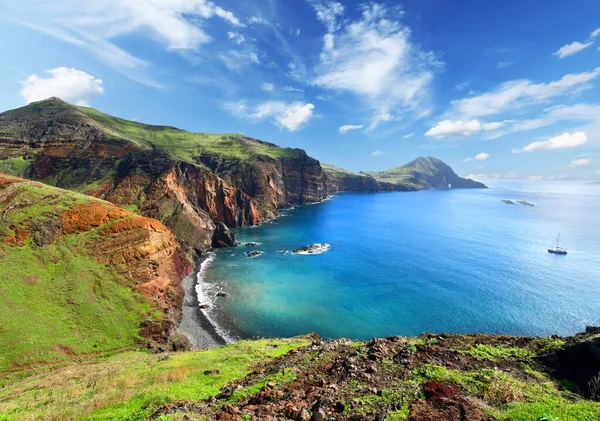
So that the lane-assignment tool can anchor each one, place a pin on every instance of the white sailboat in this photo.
(556, 249)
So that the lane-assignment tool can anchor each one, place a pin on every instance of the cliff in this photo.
(81, 275)
(433, 377)
(189, 181)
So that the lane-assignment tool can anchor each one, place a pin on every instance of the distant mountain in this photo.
(420, 174)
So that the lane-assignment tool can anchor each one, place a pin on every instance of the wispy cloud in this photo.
(570, 49)
(345, 129)
(376, 153)
(268, 87)
(409, 135)
(518, 93)
(504, 64)
(373, 57)
(94, 24)
(565, 140)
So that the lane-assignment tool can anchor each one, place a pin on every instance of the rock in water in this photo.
(222, 237)
(313, 249)
(254, 253)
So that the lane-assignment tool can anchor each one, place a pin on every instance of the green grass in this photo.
(14, 166)
(493, 353)
(56, 302)
(511, 397)
(183, 144)
(132, 385)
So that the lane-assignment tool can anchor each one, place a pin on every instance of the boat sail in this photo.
(556, 249)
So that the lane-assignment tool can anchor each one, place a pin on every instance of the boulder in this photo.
(222, 237)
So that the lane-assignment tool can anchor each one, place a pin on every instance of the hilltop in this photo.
(419, 174)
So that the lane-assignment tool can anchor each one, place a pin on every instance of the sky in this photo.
(496, 89)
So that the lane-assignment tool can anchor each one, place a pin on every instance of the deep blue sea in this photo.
(405, 263)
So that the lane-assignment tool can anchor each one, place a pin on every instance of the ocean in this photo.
(459, 261)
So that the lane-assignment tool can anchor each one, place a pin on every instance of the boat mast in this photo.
(557, 239)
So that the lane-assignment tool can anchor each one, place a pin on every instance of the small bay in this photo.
(405, 263)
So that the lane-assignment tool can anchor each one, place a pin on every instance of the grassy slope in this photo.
(403, 173)
(185, 145)
(132, 385)
(55, 301)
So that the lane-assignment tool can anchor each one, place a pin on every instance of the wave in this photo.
(207, 294)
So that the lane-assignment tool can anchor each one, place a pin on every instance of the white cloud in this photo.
(535, 177)
(581, 112)
(345, 129)
(597, 171)
(581, 162)
(479, 157)
(255, 19)
(518, 93)
(94, 24)
(565, 140)
(327, 12)
(511, 175)
(376, 153)
(268, 87)
(71, 85)
(595, 33)
(373, 57)
(449, 128)
(236, 37)
(570, 49)
(286, 116)
(170, 21)
(409, 135)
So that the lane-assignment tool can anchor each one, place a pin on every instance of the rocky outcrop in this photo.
(441, 377)
(222, 237)
(141, 249)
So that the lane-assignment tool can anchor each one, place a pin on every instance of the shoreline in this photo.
(194, 324)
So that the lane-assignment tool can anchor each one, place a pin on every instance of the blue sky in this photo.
(496, 89)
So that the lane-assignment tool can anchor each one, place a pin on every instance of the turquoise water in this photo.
(405, 263)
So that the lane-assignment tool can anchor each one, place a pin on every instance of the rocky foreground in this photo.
(432, 377)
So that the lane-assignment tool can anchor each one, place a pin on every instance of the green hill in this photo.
(427, 172)
(73, 274)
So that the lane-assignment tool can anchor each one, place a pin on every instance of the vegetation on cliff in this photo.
(430, 377)
(80, 276)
